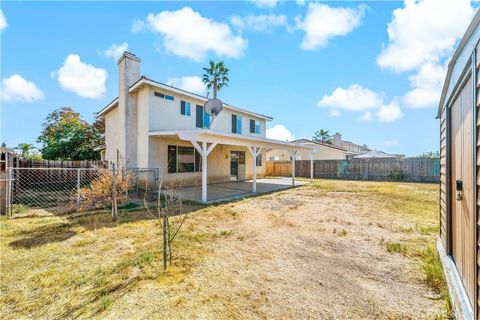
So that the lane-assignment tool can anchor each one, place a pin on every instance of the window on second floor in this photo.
(236, 124)
(254, 126)
(202, 118)
(185, 108)
(164, 96)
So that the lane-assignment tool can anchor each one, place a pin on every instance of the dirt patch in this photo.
(305, 253)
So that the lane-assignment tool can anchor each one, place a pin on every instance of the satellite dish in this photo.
(213, 107)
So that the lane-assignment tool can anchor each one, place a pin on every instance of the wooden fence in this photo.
(406, 169)
(62, 164)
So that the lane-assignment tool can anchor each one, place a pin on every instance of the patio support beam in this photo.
(312, 154)
(254, 151)
(293, 156)
(204, 151)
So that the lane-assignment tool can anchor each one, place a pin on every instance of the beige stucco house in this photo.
(323, 152)
(154, 125)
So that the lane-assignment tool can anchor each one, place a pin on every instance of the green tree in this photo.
(65, 136)
(25, 148)
(429, 154)
(215, 76)
(323, 136)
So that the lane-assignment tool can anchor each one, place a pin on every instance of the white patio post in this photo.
(254, 151)
(204, 171)
(312, 158)
(293, 156)
(204, 152)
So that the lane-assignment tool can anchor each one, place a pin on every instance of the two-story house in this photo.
(154, 125)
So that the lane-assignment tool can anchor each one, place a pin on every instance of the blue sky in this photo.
(372, 71)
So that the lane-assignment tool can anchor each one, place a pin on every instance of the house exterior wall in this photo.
(113, 134)
(218, 163)
(165, 115)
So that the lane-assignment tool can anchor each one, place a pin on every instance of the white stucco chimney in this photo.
(128, 74)
(337, 139)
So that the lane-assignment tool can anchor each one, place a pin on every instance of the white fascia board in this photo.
(231, 139)
(110, 106)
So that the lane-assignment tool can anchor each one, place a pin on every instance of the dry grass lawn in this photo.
(328, 250)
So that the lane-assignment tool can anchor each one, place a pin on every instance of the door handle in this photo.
(459, 188)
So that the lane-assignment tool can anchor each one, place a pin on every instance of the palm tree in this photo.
(322, 136)
(25, 148)
(215, 76)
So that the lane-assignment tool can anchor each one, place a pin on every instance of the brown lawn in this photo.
(328, 250)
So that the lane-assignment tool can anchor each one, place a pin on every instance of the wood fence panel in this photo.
(407, 169)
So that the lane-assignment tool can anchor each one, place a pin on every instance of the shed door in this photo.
(463, 223)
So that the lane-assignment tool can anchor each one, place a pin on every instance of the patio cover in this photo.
(205, 140)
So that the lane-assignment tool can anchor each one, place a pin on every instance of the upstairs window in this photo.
(199, 116)
(185, 108)
(236, 124)
(254, 126)
(164, 96)
(206, 120)
(203, 118)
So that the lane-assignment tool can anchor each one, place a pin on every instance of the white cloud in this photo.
(354, 98)
(367, 116)
(422, 36)
(189, 83)
(279, 132)
(138, 25)
(16, 88)
(390, 143)
(263, 22)
(265, 3)
(116, 50)
(300, 2)
(389, 113)
(424, 31)
(323, 22)
(187, 34)
(426, 86)
(358, 99)
(3, 21)
(84, 79)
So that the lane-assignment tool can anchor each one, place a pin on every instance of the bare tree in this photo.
(110, 187)
(169, 203)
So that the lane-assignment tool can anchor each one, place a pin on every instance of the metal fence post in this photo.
(9, 193)
(78, 188)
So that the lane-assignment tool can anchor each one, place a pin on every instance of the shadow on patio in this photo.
(225, 191)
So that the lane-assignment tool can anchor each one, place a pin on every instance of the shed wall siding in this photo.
(443, 177)
(476, 116)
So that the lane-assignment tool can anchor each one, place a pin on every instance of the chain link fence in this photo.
(60, 189)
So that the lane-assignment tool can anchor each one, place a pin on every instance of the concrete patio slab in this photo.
(226, 191)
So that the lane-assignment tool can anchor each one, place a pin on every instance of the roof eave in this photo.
(471, 28)
(145, 81)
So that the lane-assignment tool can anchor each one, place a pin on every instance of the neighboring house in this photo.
(459, 116)
(353, 149)
(154, 125)
(375, 154)
(325, 152)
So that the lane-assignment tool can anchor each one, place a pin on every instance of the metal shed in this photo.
(458, 112)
